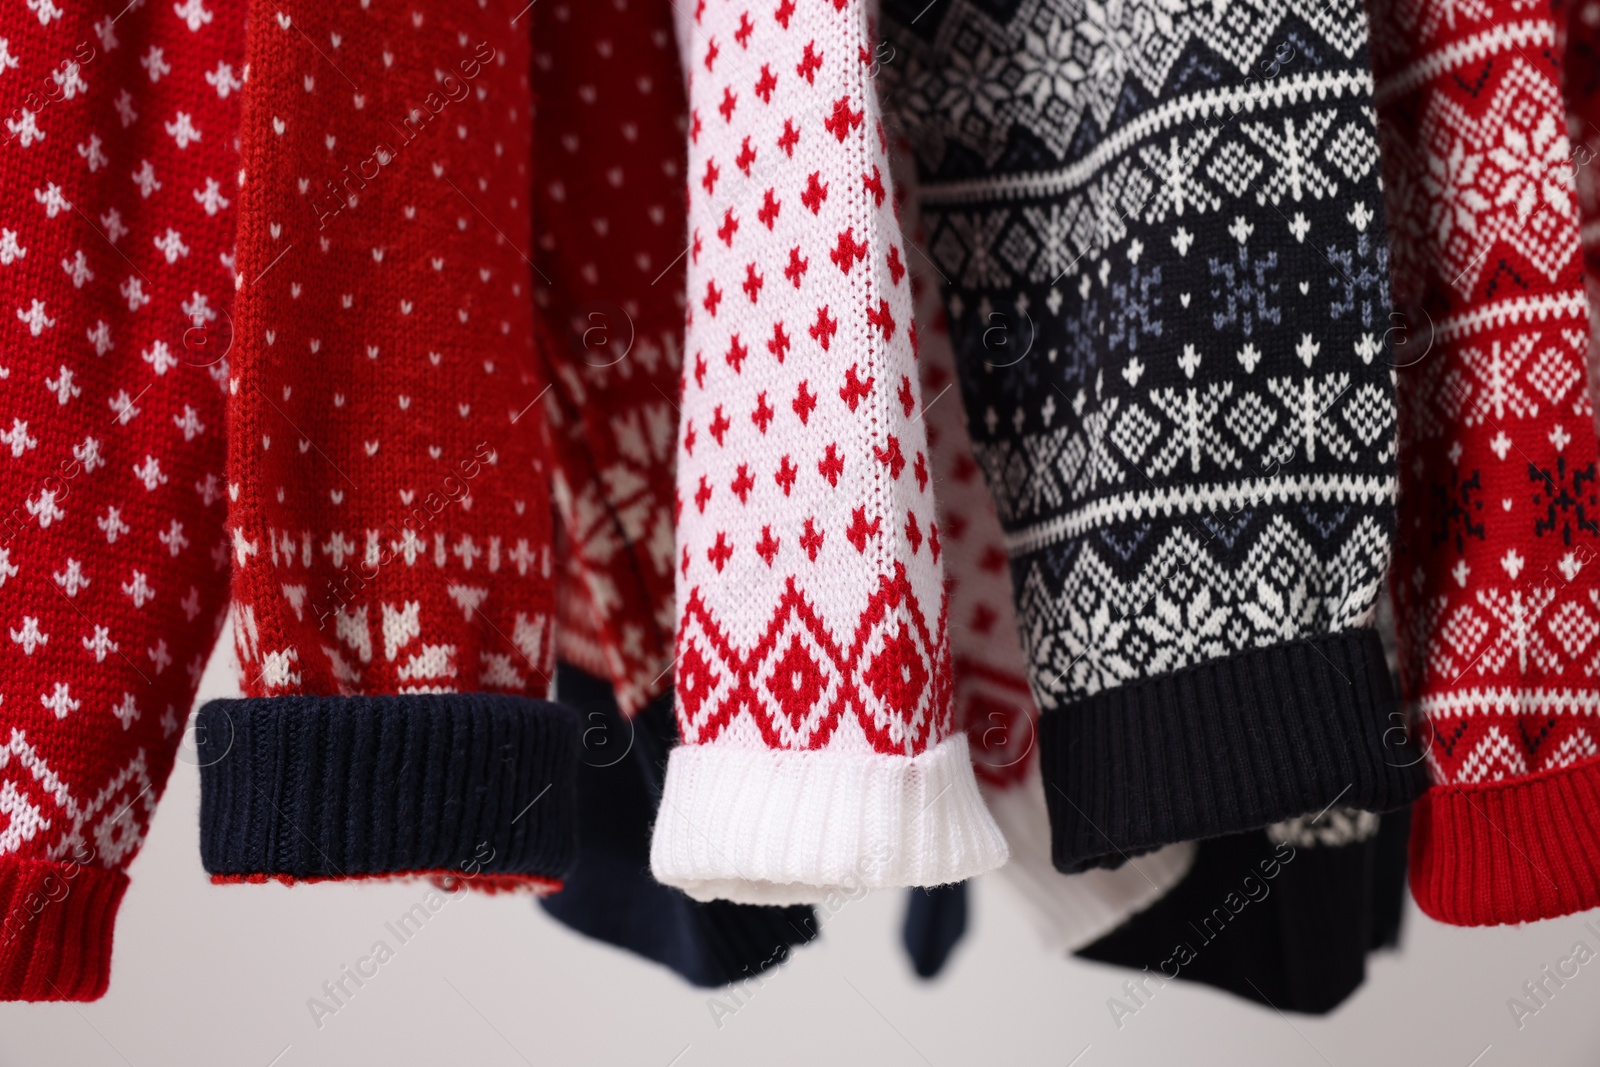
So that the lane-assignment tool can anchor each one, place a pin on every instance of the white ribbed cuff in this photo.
(1071, 910)
(766, 826)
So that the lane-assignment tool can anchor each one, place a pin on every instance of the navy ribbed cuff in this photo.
(308, 787)
(1226, 746)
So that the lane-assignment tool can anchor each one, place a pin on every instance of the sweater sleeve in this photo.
(1164, 257)
(116, 278)
(387, 473)
(813, 669)
(1497, 581)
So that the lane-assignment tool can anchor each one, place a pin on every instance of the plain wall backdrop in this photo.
(220, 975)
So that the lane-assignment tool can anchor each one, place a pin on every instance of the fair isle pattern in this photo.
(609, 235)
(116, 276)
(390, 513)
(1495, 582)
(811, 612)
(1162, 236)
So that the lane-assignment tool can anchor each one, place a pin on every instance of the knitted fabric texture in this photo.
(813, 664)
(1497, 578)
(610, 895)
(609, 236)
(388, 469)
(992, 702)
(1166, 270)
(119, 164)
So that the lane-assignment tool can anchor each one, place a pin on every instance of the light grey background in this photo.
(211, 975)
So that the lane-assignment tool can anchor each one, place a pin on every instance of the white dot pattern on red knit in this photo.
(811, 607)
(115, 281)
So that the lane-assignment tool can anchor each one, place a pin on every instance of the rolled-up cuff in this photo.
(763, 826)
(1511, 851)
(56, 921)
(1226, 746)
(473, 786)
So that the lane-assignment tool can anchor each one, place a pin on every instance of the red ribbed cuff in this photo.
(1509, 852)
(56, 921)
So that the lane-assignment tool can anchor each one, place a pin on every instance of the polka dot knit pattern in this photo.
(992, 702)
(118, 158)
(813, 669)
(609, 220)
(1496, 576)
(388, 468)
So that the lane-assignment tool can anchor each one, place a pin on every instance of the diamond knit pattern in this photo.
(116, 277)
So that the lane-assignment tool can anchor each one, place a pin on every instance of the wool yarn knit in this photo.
(813, 665)
(388, 469)
(1495, 580)
(116, 274)
(1164, 249)
(992, 702)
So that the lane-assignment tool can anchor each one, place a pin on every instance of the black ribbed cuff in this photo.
(1226, 746)
(308, 787)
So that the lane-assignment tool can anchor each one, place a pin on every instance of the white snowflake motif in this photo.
(210, 490)
(100, 646)
(7, 569)
(522, 556)
(193, 14)
(173, 537)
(99, 335)
(52, 199)
(182, 130)
(116, 229)
(88, 454)
(105, 29)
(77, 269)
(155, 64)
(91, 153)
(35, 318)
(160, 655)
(45, 509)
(172, 246)
(145, 178)
(211, 198)
(25, 128)
(72, 579)
(17, 438)
(70, 81)
(122, 405)
(189, 423)
(160, 357)
(60, 701)
(30, 636)
(132, 290)
(126, 711)
(112, 525)
(44, 9)
(125, 109)
(62, 386)
(149, 472)
(139, 589)
(10, 250)
(223, 81)
(7, 60)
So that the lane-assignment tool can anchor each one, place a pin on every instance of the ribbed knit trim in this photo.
(1070, 910)
(763, 826)
(1226, 746)
(56, 921)
(341, 787)
(1509, 852)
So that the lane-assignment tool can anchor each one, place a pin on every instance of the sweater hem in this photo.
(765, 826)
(1510, 851)
(56, 922)
(1224, 747)
(476, 787)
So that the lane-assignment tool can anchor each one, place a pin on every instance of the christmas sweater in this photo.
(116, 271)
(1496, 584)
(989, 670)
(388, 469)
(813, 655)
(1162, 243)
